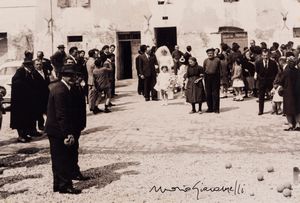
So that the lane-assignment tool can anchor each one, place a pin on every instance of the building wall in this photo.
(197, 21)
(18, 21)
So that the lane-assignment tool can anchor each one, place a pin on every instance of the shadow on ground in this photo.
(19, 160)
(102, 176)
(93, 130)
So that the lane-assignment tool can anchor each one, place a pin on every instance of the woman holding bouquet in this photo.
(195, 93)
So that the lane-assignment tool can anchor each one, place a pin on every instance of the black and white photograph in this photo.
(167, 101)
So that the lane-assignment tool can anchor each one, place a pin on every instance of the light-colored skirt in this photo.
(238, 83)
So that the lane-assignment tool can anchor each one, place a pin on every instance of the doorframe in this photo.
(155, 34)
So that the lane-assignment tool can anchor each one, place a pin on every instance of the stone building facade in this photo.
(129, 23)
(17, 28)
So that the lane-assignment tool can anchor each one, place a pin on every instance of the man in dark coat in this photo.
(147, 71)
(187, 55)
(79, 123)
(113, 73)
(42, 81)
(140, 88)
(265, 73)
(23, 102)
(290, 82)
(212, 67)
(46, 63)
(61, 130)
(58, 59)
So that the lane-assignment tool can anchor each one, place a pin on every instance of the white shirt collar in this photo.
(73, 58)
(41, 72)
(68, 86)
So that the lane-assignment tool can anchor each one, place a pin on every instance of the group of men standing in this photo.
(58, 87)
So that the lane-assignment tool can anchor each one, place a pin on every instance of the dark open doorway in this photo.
(125, 59)
(166, 36)
(128, 46)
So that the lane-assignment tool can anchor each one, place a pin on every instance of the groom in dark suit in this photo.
(147, 62)
(265, 73)
(42, 81)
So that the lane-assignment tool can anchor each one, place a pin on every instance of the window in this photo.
(75, 38)
(162, 2)
(230, 1)
(296, 32)
(73, 3)
(3, 43)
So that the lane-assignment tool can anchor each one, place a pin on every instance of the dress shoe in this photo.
(209, 111)
(81, 178)
(289, 129)
(111, 104)
(69, 191)
(41, 128)
(260, 113)
(23, 140)
(297, 129)
(147, 99)
(192, 112)
(155, 99)
(107, 111)
(36, 134)
(217, 111)
(115, 95)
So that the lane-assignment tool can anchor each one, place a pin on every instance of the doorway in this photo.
(125, 60)
(127, 50)
(166, 36)
(234, 34)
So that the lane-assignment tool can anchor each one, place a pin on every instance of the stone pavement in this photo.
(147, 127)
(142, 144)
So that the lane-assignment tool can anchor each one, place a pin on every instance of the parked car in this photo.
(2, 110)
(7, 71)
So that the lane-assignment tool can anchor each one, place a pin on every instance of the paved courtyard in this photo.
(141, 145)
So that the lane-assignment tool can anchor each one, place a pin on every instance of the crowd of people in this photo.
(268, 73)
(59, 88)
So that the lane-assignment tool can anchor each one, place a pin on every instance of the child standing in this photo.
(163, 84)
(237, 79)
(277, 100)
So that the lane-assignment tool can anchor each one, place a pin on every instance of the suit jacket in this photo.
(59, 111)
(58, 59)
(137, 61)
(24, 98)
(147, 65)
(266, 75)
(42, 90)
(78, 109)
(90, 66)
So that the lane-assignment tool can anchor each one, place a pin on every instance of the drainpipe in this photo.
(51, 28)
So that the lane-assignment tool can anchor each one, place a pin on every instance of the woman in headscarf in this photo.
(195, 89)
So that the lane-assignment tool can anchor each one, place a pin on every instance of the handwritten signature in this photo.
(199, 186)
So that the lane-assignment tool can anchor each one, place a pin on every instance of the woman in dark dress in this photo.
(290, 82)
(195, 90)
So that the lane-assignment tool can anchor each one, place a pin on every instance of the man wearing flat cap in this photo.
(212, 67)
(58, 59)
(60, 130)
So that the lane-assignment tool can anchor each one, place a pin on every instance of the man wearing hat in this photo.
(58, 58)
(212, 67)
(60, 130)
(23, 100)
